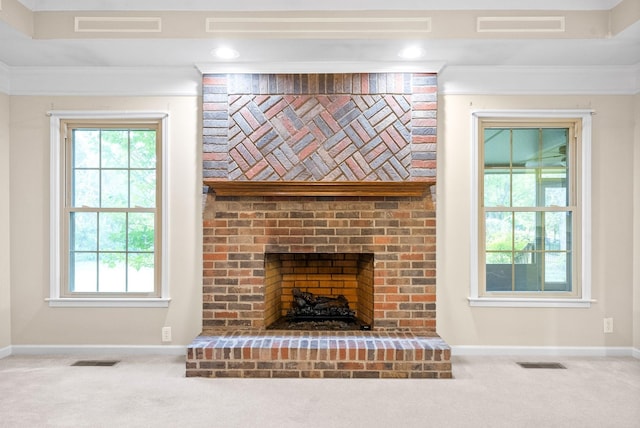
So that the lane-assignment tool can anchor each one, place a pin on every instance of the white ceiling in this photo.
(19, 50)
(39, 5)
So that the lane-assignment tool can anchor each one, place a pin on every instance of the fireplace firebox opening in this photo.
(319, 291)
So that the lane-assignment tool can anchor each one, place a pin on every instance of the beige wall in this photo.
(5, 273)
(612, 219)
(33, 322)
(636, 231)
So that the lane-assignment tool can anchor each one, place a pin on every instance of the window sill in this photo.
(102, 302)
(520, 302)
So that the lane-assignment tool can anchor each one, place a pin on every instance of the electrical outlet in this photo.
(166, 334)
(608, 325)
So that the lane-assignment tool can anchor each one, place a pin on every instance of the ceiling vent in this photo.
(521, 24)
(286, 25)
(113, 24)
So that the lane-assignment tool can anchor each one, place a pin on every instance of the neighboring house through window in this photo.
(531, 210)
(107, 216)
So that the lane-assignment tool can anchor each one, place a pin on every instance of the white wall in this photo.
(612, 219)
(33, 322)
(5, 249)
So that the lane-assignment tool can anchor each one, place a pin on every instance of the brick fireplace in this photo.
(325, 183)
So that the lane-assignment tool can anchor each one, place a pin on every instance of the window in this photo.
(107, 203)
(531, 208)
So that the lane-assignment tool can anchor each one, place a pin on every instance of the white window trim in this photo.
(55, 299)
(585, 300)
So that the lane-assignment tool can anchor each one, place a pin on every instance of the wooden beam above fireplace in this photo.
(319, 188)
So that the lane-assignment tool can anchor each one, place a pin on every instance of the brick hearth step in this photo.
(318, 354)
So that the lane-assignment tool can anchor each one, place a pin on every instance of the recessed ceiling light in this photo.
(225, 53)
(411, 52)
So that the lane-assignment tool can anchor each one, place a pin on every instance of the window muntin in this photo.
(111, 223)
(528, 208)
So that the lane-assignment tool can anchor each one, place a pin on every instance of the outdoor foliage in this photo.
(114, 192)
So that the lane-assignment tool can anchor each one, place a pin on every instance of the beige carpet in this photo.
(142, 391)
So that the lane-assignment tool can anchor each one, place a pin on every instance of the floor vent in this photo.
(95, 363)
(542, 365)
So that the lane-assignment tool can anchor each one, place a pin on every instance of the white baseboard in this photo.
(97, 350)
(460, 350)
(565, 351)
(5, 352)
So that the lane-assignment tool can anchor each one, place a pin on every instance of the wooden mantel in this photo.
(319, 188)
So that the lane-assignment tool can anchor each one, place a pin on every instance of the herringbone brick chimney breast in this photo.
(353, 127)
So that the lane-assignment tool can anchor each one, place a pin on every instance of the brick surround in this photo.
(308, 128)
(400, 232)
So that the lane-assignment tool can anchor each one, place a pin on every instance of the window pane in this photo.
(557, 225)
(115, 149)
(141, 272)
(527, 261)
(525, 146)
(143, 188)
(499, 271)
(497, 188)
(86, 148)
(528, 276)
(525, 228)
(84, 231)
(554, 146)
(112, 272)
(115, 188)
(83, 272)
(86, 188)
(524, 188)
(113, 231)
(499, 231)
(497, 147)
(556, 191)
(143, 149)
(499, 257)
(555, 268)
(141, 231)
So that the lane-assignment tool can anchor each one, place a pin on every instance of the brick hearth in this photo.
(295, 354)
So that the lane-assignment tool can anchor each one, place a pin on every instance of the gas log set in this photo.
(314, 312)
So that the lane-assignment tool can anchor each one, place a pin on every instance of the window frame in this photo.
(58, 212)
(581, 286)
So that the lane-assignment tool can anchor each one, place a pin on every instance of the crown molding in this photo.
(452, 80)
(512, 80)
(311, 67)
(103, 81)
(5, 79)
